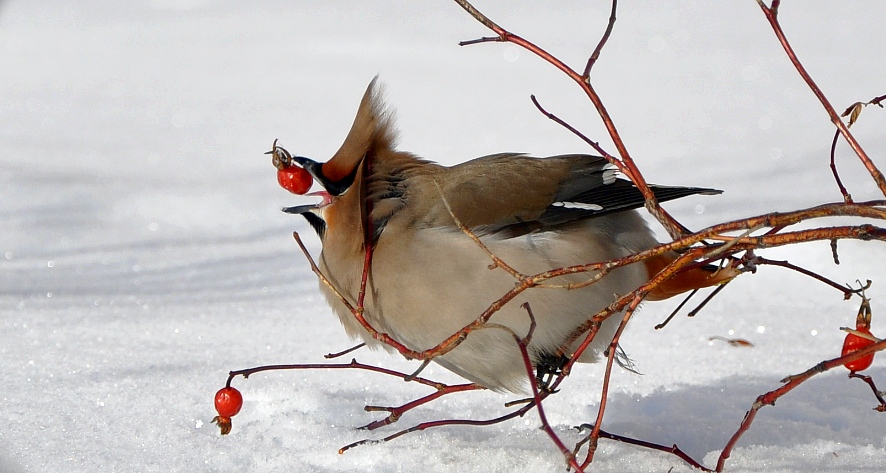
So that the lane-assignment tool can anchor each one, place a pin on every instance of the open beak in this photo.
(301, 209)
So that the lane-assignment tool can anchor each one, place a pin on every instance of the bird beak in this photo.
(313, 213)
(327, 199)
(300, 209)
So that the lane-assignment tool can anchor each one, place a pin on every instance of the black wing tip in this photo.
(693, 190)
(666, 193)
(706, 191)
(619, 196)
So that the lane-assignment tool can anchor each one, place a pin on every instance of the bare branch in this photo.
(791, 382)
(772, 15)
(596, 54)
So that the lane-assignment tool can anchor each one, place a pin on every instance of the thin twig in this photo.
(358, 314)
(877, 393)
(704, 302)
(593, 144)
(847, 291)
(368, 244)
(675, 311)
(846, 196)
(596, 54)
(538, 396)
(344, 352)
(791, 382)
(354, 364)
(772, 16)
(673, 449)
(441, 423)
(396, 412)
(853, 112)
(496, 261)
(604, 391)
(630, 168)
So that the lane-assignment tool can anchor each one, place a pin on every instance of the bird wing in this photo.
(513, 194)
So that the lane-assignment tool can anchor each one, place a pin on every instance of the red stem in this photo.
(604, 392)
(596, 54)
(877, 393)
(396, 412)
(627, 165)
(354, 364)
(791, 382)
(537, 400)
(772, 16)
(846, 197)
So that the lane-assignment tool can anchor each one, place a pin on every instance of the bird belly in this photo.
(428, 286)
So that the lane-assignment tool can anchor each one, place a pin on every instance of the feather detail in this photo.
(372, 130)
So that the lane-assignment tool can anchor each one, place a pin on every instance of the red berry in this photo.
(852, 344)
(228, 402)
(295, 179)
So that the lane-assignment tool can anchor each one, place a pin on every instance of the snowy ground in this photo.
(143, 255)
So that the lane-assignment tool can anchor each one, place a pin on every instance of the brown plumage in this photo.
(429, 279)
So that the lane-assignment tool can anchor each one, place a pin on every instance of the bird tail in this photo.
(688, 280)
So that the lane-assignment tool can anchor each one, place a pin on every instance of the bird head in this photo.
(340, 177)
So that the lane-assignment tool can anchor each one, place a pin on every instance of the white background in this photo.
(143, 254)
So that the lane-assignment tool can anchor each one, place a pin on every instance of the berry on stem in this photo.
(853, 343)
(293, 178)
(228, 402)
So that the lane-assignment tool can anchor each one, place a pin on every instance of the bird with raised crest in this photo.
(429, 278)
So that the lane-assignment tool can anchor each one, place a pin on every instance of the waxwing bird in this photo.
(429, 278)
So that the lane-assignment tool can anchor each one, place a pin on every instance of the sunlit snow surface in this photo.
(143, 254)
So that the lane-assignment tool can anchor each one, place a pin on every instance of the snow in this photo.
(143, 254)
